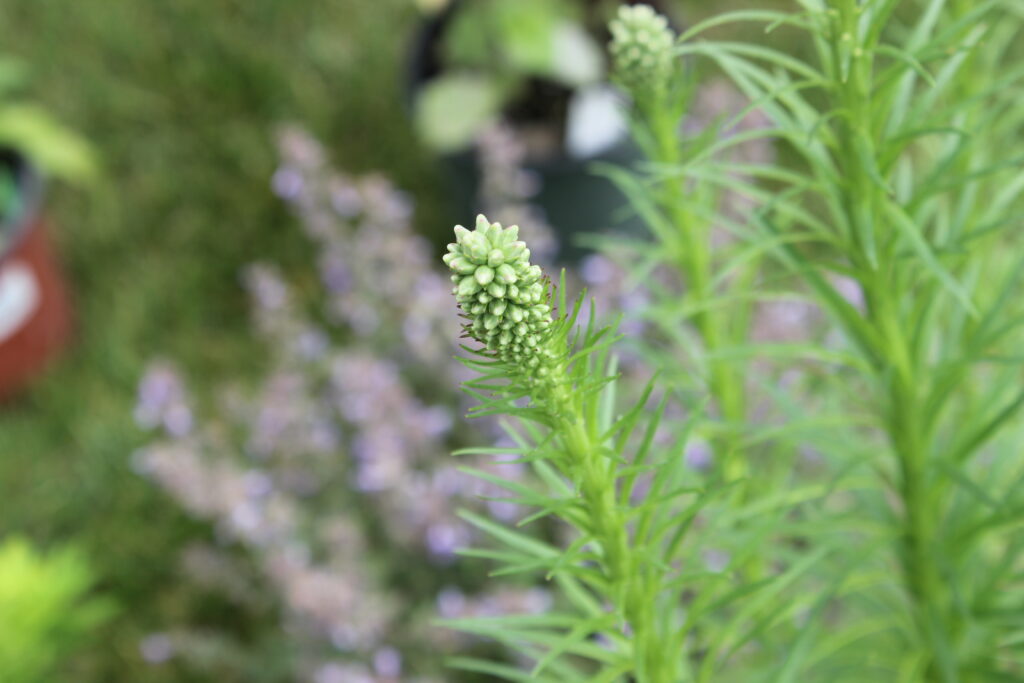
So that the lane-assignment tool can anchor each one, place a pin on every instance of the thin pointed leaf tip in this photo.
(641, 48)
(507, 300)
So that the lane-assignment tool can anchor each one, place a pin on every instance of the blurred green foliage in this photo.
(45, 609)
(31, 130)
(488, 51)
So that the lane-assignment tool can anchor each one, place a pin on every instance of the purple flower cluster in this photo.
(161, 402)
(338, 461)
(379, 273)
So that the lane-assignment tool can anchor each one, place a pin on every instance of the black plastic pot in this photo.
(574, 199)
(35, 316)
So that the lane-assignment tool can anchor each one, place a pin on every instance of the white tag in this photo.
(596, 122)
(19, 297)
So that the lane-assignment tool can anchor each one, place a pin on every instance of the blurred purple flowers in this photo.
(337, 463)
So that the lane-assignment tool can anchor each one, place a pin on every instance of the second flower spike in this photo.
(642, 49)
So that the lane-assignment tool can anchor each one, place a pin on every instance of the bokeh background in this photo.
(182, 102)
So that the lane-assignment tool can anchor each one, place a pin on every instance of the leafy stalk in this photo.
(898, 144)
(648, 70)
(883, 267)
(530, 355)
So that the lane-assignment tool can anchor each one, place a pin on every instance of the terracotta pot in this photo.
(35, 315)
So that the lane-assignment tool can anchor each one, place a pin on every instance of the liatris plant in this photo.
(859, 517)
(626, 492)
(906, 143)
(529, 354)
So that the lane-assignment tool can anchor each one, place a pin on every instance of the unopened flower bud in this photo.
(502, 293)
(641, 49)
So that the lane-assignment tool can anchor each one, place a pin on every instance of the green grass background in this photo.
(181, 99)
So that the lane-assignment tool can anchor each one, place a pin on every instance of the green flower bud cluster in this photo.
(504, 297)
(641, 48)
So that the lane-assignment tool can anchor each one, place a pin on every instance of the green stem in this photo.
(907, 433)
(906, 426)
(633, 588)
(692, 256)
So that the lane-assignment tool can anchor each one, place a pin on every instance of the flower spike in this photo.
(506, 299)
(641, 48)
